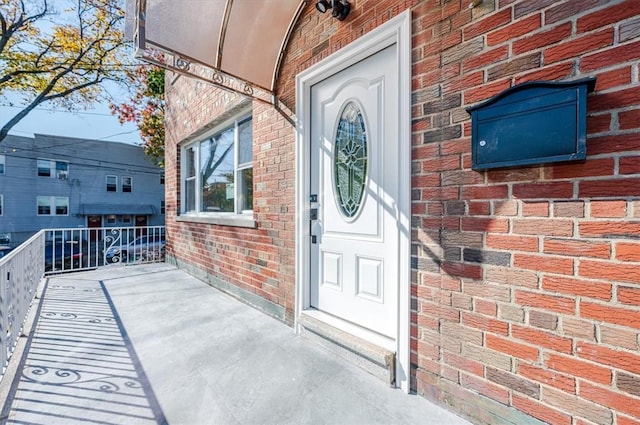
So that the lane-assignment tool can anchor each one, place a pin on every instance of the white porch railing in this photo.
(60, 251)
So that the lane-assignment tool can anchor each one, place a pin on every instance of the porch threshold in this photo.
(376, 359)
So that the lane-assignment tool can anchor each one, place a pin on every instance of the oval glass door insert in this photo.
(350, 160)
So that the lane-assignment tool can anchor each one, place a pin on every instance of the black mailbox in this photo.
(531, 123)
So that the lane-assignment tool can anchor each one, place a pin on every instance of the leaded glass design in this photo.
(350, 160)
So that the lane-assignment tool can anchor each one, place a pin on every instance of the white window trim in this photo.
(52, 206)
(106, 183)
(239, 218)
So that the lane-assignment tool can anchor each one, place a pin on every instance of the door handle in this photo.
(313, 214)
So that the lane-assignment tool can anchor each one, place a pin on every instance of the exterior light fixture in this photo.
(339, 8)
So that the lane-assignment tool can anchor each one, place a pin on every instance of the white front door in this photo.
(354, 187)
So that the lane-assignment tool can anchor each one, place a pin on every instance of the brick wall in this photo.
(258, 261)
(534, 299)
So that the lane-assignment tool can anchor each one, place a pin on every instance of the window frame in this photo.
(1, 204)
(53, 206)
(3, 164)
(115, 185)
(237, 217)
(163, 207)
(54, 173)
(129, 186)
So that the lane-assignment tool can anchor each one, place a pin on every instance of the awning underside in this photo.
(240, 41)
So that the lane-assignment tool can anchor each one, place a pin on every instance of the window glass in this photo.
(127, 183)
(44, 168)
(216, 163)
(112, 183)
(162, 207)
(218, 171)
(126, 219)
(62, 206)
(1, 204)
(44, 205)
(1, 164)
(162, 178)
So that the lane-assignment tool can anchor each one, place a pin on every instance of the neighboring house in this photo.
(59, 182)
(512, 294)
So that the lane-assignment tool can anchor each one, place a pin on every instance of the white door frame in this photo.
(396, 31)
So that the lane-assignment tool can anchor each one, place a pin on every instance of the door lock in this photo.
(313, 214)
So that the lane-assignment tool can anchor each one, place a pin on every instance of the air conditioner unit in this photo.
(62, 175)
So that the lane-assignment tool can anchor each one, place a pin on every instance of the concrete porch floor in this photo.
(152, 345)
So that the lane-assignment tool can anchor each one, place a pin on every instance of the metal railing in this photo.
(60, 251)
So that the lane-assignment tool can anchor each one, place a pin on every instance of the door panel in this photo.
(354, 262)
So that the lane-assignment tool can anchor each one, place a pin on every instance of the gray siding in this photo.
(90, 161)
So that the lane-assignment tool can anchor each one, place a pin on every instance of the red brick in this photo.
(488, 23)
(515, 349)
(609, 314)
(542, 39)
(610, 188)
(579, 46)
(630, 165)
(512, 242)
(479, 208)
(486, 388)
(514, 30)
(488, 308)
(462, 363)
(609, 15)
(484, 323)
(541, 411)
(608, 209)
(543, 339)
(556, 72)
(627, 295)
(609, 271)
(589, 168)
(577, 248)
(599, 123)
(546, 302)
(623, 420)
(610, 57)
(548, 377)
(579, 368)
(543, 190)
(542, 263)
(481, 224)
(615, 400)
(609, 229)
(485, 91)
(471, 271)
(629, 119)
(613, 78)
(629, 361)
(485, 58)
(627, 251)
(583, 288)
(535, 209)
(614, 144)
(570, 8)
(547, 227)
(485, 192)
(568, 209)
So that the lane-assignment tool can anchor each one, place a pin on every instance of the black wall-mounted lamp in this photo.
(339, 8)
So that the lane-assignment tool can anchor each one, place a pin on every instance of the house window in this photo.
(1, 164)
(126, 219)
(162, 207)
(111, 219)
(51, 168)
(162, 178)
(127, 183)
(53, 205)
(217, 172)
(1, 204)
(112, 183)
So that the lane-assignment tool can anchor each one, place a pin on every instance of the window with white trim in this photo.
(52, 168)
(112, 183)
(217, 171)
(162, 177)
(53, 205)
(162, 207)
(127, 184)
(2, 162)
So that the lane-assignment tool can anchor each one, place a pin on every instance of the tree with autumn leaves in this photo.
(65, 51)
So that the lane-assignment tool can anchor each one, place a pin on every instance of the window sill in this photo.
(221, 220)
